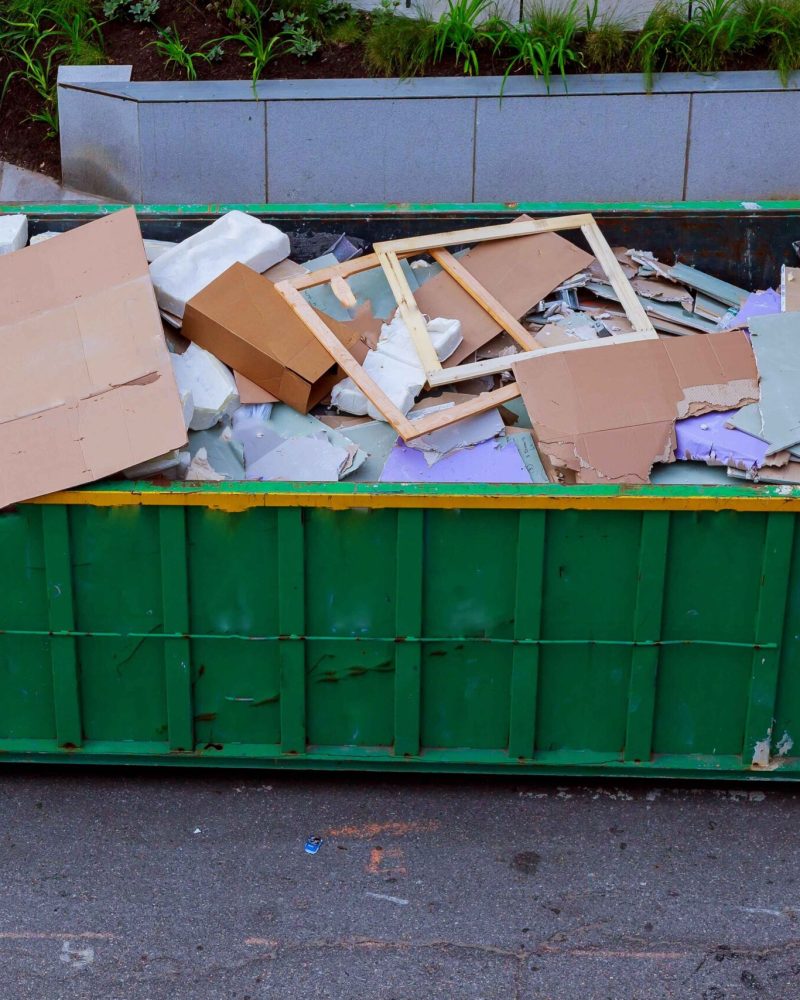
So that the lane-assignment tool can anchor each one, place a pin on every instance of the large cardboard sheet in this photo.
(518, 272)
(86, 387)
(606, 415)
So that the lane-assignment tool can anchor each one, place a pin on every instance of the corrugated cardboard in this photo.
(606, 415)
(518, 272)
(86, 387)
(241, 319)
(249, 392)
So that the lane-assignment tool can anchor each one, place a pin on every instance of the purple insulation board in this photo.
(706, 438)
(496, 461)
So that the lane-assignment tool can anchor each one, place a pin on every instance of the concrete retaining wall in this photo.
(603, 138)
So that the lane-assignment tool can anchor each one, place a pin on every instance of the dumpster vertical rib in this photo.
(408, 618)
(651, 579)
(292, 624)
(772, 598)
(527, 625)
(177, 651)
(61, 616)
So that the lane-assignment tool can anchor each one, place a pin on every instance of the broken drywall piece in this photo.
(376, 439)
(153, 249)
(606, 415)
(789, 473)
(471, 431)
(13, 233)
(660, 290)
(154, 467)
(186, 269)
(211, 384)
(707, 438)
(526, 446)
(261, 429)
(713, 311)
(86, 387)
(518, 272)
(790, 289)
(722, 291)
(223, 453)
(496, 461)
(309, 459)
(776, 343)
(693, 473)
(200, 469)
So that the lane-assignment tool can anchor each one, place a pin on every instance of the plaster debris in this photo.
(13, 232)
(210, 383)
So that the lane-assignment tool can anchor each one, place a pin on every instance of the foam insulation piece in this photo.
(183, 271)
(708, 439)
(395, 366)
(211, 384)
(41, 237)
(13, 232)
(764, 303)
(497, 461)
(153, 249)
(154, 466)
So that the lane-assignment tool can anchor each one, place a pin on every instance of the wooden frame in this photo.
(388, 255)
(390, 252)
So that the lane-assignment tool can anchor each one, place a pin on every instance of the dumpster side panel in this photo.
(599, 641)
(26, 666)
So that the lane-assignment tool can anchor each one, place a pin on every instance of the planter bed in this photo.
(732, 136)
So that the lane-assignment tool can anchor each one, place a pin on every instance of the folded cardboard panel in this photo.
(86, 387)
(606, 415)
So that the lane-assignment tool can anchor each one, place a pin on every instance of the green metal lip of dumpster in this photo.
(539, 630)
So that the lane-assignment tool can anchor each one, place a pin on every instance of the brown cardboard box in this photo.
(606, 414)
(86, 386)
(241, 319)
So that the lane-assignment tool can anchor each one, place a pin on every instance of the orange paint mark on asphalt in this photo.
(378, 856)
(391, 829)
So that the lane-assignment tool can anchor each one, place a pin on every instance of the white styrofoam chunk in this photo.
(211, 384)
(402, 383)
(347, 397)
(153, 249)
(395, 341)
(395, 366)
(236, 237)
(41, 237)
(13, 232)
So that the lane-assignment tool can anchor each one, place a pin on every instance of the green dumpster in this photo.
(649, 631)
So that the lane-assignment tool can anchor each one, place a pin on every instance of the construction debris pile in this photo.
(523, 359)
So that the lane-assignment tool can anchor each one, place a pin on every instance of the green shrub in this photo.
(396, 45)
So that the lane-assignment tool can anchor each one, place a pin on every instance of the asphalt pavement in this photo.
(163, 885)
